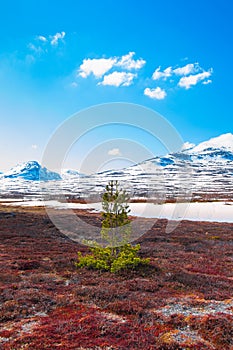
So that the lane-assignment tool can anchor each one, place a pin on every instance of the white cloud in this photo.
(118, 79)
(192, 80)
(185, 70)
(162, 74)
(36, 49)
(98, 67)
(187, 73)
(157, 93)
(127, 62)
(114, 152)
(34, 146)
(40, 44)
(206, 82)
(55, 38)
(32, 47)
(169, 71)
(41, 38)
(114, 71)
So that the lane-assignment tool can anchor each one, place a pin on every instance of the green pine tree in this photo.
(116, 231)
(116, 226)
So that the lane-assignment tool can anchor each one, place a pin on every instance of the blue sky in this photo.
(57, 58)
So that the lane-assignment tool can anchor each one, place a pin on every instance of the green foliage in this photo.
(128, 258)
(124, 258)
(116, 230)
(116, 226)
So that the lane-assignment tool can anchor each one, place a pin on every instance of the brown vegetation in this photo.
(183, 300)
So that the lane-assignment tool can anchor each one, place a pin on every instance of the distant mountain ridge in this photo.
(207, 165)
(201, 171)
(31, 170)
(218, 150)
(68, 173)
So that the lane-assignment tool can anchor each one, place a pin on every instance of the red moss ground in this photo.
(183, 300)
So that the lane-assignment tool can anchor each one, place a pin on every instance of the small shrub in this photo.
(124, 258)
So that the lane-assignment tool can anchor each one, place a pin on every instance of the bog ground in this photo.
(183, 300)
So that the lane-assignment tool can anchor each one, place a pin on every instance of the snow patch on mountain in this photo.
(187, 146)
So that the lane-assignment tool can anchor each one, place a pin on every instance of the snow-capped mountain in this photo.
(68, 173)
(223, 142)
(202, 171)
(216, 151)
(199, 170)
(31, 170)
